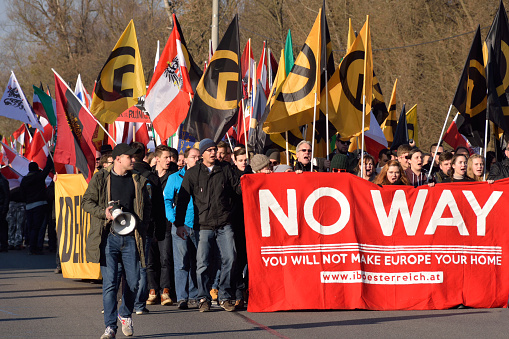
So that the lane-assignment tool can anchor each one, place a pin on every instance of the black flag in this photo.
(216, 101)
(470, 97)
(401, 134)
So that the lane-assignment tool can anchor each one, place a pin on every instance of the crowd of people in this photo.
(188, 245)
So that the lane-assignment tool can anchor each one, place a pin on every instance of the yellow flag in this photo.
(390, 123)
(411, 122)
(294, 105)
(121, 81)
(351, 35)
(294, 134)
(345, 93)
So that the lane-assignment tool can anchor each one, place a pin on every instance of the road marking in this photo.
(10, 313)
(263, 327)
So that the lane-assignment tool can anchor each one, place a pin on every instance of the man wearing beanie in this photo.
(211, 184)
(259, 162)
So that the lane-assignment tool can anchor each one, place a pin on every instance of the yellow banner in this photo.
(411, 122)
(121, 81)
(73, 225)
(345, 93)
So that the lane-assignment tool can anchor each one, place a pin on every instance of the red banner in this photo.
(133, 114)
(335, 241)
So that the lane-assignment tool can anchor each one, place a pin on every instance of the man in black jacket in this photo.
(500, 170)
(211, 184)
(33, 186)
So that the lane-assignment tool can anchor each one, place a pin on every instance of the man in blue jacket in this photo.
(184, 250)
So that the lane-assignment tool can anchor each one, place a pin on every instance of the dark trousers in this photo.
(160, 273)
(36, 218)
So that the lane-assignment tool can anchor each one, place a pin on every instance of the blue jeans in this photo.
(141, 298)
(184, 262)
(119, 249)
(205, 258)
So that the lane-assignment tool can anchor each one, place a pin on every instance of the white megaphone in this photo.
(123, 222)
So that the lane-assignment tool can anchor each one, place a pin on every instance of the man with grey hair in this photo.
(304, 158)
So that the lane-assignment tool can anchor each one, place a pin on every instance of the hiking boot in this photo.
(144, 310)
(204, 305)
(227, 305)
(152, 297)
(108, 333)
(239, 304)
(127, 325)
(165, 298)
(214, 293)
(182, 305)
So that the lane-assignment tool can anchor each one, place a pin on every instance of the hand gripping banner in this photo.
(348, 243)
(73, 225)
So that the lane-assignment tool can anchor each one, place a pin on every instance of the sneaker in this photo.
(227, 305)
(204, 305)
(214, 293)
(192, 303)
(58, 270)
(182, 305)
(152, 297)
(108, 333)
(239, 304)
(165, 298)
(127, 325)
(144, 310)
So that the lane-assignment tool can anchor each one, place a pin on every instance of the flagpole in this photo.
(249, 69)
(86, 109)
(245, 132)
(327, 113)
(439, 141)
(269, 68)
(485, 143)
(313, 135)
(229, 141)
(287, 151)
(362, 138)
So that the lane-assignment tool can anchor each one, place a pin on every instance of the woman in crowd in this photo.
(391, 174)
(458, 171)
(415, 173)
(369, 168)
(475, 167)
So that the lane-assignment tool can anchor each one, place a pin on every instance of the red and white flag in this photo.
(38, 149)
(261, 72)
(453, 137)
(169, 93)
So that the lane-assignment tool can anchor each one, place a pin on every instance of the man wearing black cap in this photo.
(211, 184)
(117, 183)
(33, 187)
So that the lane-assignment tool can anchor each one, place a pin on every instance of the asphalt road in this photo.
(37, 303)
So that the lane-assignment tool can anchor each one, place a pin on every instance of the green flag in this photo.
(43, 105)
(288, 53)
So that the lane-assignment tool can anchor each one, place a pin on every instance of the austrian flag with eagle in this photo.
(169, 93)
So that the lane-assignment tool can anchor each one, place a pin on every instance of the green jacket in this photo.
(95, 201)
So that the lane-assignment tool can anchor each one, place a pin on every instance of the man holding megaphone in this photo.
(119, 204)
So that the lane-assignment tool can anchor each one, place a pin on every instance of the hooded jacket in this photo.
(499, 170)
(95, 201)
(212, 195)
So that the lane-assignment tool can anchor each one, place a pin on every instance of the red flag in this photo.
(239, 137)
(453, 137)
(261, 72)
(76, 128)
(141, 134)
(38, 150)
(169, 93)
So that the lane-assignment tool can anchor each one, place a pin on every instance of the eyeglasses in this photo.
(211, 149)
(305, 150)
(438, 153)
(345, 142)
